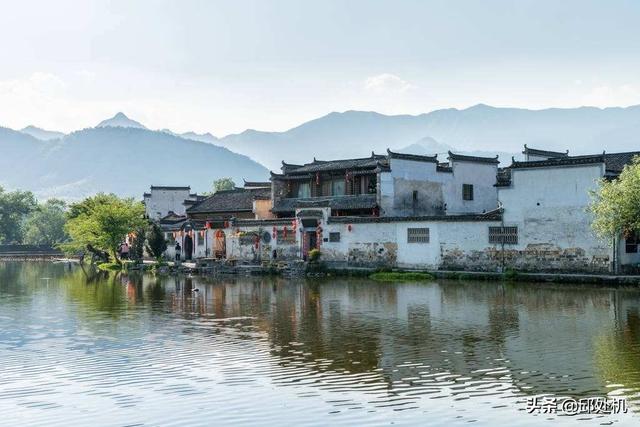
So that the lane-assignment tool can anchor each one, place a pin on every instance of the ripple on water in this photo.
(145, 351)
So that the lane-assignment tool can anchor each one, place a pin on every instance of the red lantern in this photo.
(285, 232)
(226, 224)
(274, 229)
(349, 227)
(294, 224)
(257, 240)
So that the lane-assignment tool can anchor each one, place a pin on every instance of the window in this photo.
(334, 237)
(506, 235)
(200, 239)
(289, 239)
(337, 187)
(631, 243)
(304, 190)
(169, 238)
(467, 191)
(417, 235)
(415, 195)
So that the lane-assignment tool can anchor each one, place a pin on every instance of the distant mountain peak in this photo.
(42, 134)
(120, 120)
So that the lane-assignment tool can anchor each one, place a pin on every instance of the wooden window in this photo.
(631, 243)
(467, 191)
(304, 190)
(337, 187)
(417, 235)
(506, 235)
(334, 236)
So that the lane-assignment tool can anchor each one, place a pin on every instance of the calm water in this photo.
(118, 350)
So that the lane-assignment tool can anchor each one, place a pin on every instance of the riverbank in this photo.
(299, 268)
(209, 267)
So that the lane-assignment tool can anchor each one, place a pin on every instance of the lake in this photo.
(112, 350)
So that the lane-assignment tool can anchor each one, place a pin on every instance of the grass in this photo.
(401, 276)
(110, 266)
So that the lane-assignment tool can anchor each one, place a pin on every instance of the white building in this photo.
(545, 205)
(162, 200)
(409, 211)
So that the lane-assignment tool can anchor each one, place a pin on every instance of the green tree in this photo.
(616, 204)
(14, 207)
(45, 225)
(137, 247)
(223, 184)
(102, 222)
(156, 243)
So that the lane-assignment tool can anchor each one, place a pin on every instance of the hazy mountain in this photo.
(429, 146)
(42, 134)
(122, 121)
(123, 160)
(480, 128)
(426, 146)
(203, 137)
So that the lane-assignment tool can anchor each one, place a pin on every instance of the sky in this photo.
(226, 66)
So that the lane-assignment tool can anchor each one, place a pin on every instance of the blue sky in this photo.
(225, 66)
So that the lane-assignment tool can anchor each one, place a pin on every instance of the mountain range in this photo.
(122, 160)
(480, 128)
(122, 155)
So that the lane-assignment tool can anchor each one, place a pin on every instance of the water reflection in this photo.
(307, 352)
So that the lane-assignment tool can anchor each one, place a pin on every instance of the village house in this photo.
(546, 220)
(162, 200)
(397, 200)
(202, 232)
(412, 211)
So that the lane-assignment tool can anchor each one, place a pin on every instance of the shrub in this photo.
(314, 255)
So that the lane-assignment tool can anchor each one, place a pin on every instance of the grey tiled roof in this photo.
(237, 200)
(344, 164)
(615, 162)
(414, 157)
(474, 159)
(256, 184)
(544, 153)
(169, 187)
(560, 161)
(495, 215)
(361, 201)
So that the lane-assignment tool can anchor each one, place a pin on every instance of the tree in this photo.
(100, 223)
(156, 243)
(14, 207)
(137, 246)
(616, 204)
(223, 184)
(45, 225)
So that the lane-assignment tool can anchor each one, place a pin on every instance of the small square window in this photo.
(334, 237)
(467, 191)
(417, 235)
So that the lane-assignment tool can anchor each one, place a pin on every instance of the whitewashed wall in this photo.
(436, 189)
(549, 206)
(162, 201)
(463, 244)
(483, 178)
